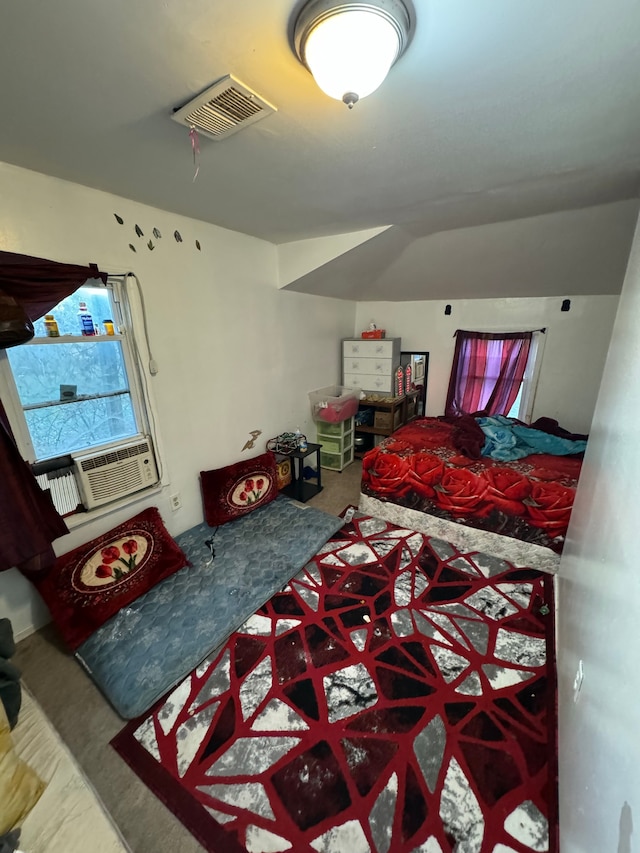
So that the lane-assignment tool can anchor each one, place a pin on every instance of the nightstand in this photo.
(298, 489)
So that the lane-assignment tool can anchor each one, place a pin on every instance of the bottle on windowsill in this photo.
(86, 320)
(51, 326)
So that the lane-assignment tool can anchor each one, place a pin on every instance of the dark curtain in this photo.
(38, 284)
(488, 369)
(29, 522)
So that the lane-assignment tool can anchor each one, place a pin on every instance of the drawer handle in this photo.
(380, 348)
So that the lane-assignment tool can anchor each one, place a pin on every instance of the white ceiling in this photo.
(499, 111)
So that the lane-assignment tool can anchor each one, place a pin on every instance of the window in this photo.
(75, 393)
(493, 372)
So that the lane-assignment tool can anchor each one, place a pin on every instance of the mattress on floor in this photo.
(69, 817)
(156, 641)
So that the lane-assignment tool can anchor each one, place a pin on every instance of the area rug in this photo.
(398, 696)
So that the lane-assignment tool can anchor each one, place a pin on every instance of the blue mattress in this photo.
(152, 644)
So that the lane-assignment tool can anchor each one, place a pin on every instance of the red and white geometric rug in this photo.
(397, 697)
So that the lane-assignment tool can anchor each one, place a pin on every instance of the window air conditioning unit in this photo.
(115, 473)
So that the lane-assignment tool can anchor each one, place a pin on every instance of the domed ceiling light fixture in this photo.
(350, 47)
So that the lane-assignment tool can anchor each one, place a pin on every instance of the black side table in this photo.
(298, 489)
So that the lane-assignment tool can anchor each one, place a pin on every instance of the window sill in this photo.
(79, 519)
(73, 339)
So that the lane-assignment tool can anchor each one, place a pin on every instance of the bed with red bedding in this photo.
(429, 475)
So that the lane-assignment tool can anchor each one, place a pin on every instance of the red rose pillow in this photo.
(238, 489)
(93, 582)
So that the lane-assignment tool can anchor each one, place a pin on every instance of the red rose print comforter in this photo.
(419, 468)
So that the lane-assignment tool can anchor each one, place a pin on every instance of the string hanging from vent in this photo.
(195, 147)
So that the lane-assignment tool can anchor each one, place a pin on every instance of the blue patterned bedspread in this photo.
(149, 646)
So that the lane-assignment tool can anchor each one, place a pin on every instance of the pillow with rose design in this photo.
(236, 490)
(93, 582)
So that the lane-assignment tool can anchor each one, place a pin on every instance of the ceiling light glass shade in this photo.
(350, 47)
(352, 52)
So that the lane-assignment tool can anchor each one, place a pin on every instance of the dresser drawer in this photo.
(369, 349)
(357, 364)
(369, 382)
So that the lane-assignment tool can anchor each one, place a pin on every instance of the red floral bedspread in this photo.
(418, 467)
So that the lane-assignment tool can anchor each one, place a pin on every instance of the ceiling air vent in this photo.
(223, 109)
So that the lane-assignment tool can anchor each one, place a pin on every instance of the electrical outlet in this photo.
(176, 501)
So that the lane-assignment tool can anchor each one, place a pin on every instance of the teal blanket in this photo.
(506, 440)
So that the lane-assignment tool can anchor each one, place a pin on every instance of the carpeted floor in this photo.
(394, 697)
(87, 723)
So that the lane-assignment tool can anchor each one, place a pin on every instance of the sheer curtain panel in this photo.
(488, 370)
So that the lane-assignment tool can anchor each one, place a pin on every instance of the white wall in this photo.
(575, 348)
(234, 352)
(299, 257)
(599, 611)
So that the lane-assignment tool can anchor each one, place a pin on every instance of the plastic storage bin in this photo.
(337, 444)
(334, 404)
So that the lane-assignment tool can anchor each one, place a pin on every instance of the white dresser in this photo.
(370, 364)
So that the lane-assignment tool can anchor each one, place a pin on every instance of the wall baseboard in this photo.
(28, 631)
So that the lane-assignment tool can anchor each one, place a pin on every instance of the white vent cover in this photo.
(223, 109)
(115, 473)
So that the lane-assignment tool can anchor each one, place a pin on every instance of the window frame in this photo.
(531, 377)
(123, 317)
(130, 317)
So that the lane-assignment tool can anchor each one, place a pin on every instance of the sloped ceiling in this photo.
(498, 112)
(558, 254)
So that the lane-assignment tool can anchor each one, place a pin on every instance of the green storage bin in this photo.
(329, 429)
(330, 460)
(337, 444)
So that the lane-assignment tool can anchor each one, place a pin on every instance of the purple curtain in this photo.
(487, 372)
(29, 522)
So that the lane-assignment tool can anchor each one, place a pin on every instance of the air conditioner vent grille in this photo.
(112, 456)
(122, 480)
(223, 109)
